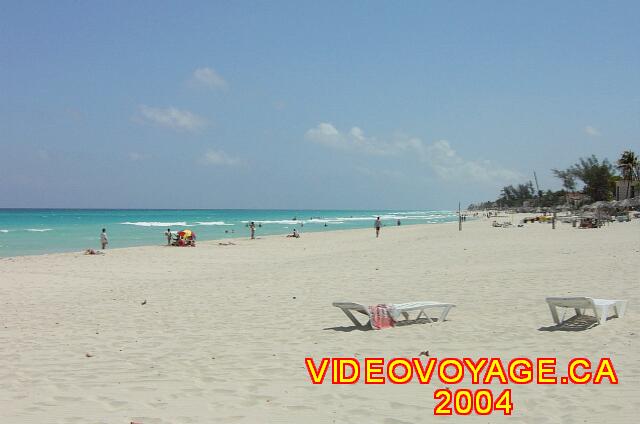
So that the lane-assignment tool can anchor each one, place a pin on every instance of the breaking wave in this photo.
(155, 224)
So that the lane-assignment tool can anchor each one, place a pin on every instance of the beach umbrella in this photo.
(185, 233)
(628, 203)
(634, 201)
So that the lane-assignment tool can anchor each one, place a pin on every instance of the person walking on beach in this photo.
(252, 228)
(167, 234)
(377, 224)
(104, 240)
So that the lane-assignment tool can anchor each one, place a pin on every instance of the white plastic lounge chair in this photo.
(397, 309)
(600, 307)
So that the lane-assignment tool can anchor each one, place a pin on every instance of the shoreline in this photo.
(210, 241)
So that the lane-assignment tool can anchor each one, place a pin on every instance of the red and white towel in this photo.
(381, 316)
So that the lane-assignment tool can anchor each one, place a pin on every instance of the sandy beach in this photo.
(224, 331)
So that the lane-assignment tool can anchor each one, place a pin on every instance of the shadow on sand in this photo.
(576, 323)
(367, 327)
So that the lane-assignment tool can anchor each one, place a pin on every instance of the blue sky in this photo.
(272, 104)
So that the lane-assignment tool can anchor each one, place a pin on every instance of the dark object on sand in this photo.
(93, 252)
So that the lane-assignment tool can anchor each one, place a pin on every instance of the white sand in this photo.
(225, 330)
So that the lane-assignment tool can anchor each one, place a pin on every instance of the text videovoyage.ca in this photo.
(451, 371)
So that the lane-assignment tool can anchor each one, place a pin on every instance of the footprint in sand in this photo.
(117, 403)
(404, 406)
(143, 389)
(300, 408)
(395, 421)
(67, 399)
(158, 404)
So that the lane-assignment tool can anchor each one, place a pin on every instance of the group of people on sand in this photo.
(182, 238)
(295, 234)
(175, 239)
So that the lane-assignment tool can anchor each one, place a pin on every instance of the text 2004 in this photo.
(465, 402)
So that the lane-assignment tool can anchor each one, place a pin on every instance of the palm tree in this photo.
(628, 165)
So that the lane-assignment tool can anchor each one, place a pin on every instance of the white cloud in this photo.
(443, 160)
(591, 131)
(328, 135)
(171, 118)
(219, 158)
(449, 166)
(209, 78)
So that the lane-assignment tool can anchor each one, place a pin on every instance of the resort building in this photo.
(626, 189)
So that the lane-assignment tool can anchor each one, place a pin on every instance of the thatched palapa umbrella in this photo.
(599, 205)
(629, 203)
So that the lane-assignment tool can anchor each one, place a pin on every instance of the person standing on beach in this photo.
(377, 224)
(167, 234)
(252, 228)
(104, 240)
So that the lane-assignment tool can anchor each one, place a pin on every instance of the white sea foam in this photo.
(298, 221)
(324, 221)
(409, 216)
(282, 221)
(155, 224)
(39, 230)
(4, 231)
(213, 223)
(424, 217)
(344, 219)
(356, 218)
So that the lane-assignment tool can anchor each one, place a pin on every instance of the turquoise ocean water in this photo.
(37, 231)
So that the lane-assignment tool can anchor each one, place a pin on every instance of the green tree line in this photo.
(598, 179)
